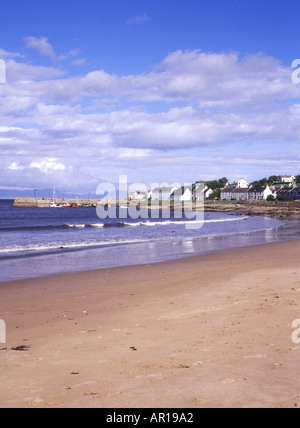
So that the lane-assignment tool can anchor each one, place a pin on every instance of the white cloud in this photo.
(44, 47)
(47, 166)
(218, 81)
(41, 45)
(71, 54)
(7, 55)
(79, 62)
(19, 72)
(139, 19)
(77, 129)
(15, 167)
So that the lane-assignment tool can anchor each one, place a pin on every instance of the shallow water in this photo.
(38, 242)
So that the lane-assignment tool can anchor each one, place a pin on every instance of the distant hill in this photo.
(42, 193)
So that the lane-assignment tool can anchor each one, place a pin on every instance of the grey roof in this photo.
(285, 189)
(240, 190)
(163, 189)
(228, 189)
(257, 190)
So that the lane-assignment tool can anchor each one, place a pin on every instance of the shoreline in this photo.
(182, 259)
(95, 257)
(272, 209)
(245, 207)
(175, 334)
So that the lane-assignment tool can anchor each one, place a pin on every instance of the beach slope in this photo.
(209, 331)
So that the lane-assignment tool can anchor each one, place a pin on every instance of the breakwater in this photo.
(45, 202)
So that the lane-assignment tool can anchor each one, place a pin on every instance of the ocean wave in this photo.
(148, 223)
(184, 222)
(67, 246)
(45, 227)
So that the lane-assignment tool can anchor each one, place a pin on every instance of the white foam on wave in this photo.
(39, 248)
(179, 223)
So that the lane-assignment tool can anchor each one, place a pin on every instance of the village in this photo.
(277, 188)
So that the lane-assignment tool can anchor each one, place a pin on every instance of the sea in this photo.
(40, 242)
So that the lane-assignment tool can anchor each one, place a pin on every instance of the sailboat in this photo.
(54, 205)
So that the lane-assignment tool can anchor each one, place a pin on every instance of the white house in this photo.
(137, 196)
(187, 195)
(161, 193)
(242, 184)
(202, 192)
(240, 194)
(286, 179)
(227, 193)
(259, 193)
(182, 194)
(208, 192)
(251, 194)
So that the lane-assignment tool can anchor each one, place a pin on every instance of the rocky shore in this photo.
(274, 209)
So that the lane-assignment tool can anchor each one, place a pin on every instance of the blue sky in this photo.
(163, 91)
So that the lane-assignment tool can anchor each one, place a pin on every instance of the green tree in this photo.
(223, 181)
(283, 198)
(217, 184)
(214, 184)
(260, 183)
(215, 195)
(272, 179)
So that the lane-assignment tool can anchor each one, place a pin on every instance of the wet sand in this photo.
(207, 331)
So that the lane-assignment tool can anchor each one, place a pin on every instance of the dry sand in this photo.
(209, 331)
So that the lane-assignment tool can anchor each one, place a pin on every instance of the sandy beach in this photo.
(207, 331)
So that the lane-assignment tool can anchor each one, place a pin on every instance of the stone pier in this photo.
(45, 202)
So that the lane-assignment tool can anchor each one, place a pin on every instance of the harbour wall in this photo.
(45, 202)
